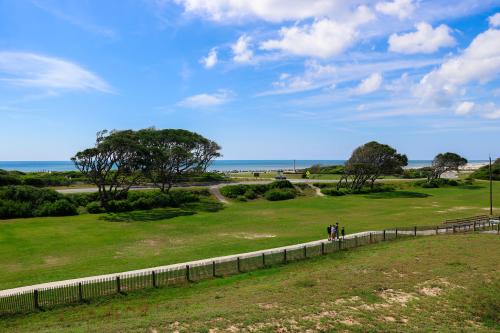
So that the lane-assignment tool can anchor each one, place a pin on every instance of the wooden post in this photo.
(384, 234)
(118, 285)
(415, 228)
(305, 251)
(213, 269)
(454, 228)
(498, 228)
(35, 299)
(396, 232)
(153, 278)
(263, 259)
(284, 256)
(80, 292)
(238, 264)
(188, 276)
(437, 230)
(322, 248)
(370, 237)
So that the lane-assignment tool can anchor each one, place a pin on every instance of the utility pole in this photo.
(491, 191)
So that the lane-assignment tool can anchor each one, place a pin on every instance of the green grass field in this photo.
(437, 283)
(39, 250)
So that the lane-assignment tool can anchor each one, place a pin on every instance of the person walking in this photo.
(329, 231)
(334, 232)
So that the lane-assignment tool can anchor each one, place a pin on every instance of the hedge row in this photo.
(277, 190)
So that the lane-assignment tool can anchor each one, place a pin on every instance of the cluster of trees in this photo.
(371, 160)
(121, 159)
(40, 179)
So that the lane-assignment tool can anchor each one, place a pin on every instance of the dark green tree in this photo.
(368, 162)
(445, 162)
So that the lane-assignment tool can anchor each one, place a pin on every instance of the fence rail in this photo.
(50, 295)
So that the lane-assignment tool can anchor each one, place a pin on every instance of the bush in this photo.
(180, 197)
(241, 198)
(94, 208)
(117, 206)
(32, 181)
(82, 199)
(233, 191)
(435, 183)
(61, 207)
(332, 191)
(281, 184)
(143, 203)
(7, 179)
(280, 194)
(13, 209)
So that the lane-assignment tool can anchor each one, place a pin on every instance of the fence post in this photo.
(80, 292)
(396, 232)
(213, 269)
(35, 299)
(188, 276)
(263, 259)
(118, 285)
(238, 264)
(322, 248)
(498, 228)
(284, 256)
(370, 237)
(454, 228)
(415, 228)
(384, 234)
(305, 251)
(153, 278)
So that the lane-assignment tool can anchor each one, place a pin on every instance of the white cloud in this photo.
(323, 38)
(490, 111)
(399, 8)
(424, 40)
(370, 84)
(241, 49)
(268, 10)
(479, 62)
(492, 115)
(464, 108)
(33, 70)
(494, 20)
(206, 100)
(210, 60)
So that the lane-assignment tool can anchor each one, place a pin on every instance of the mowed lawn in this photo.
(425, 284)
(39, 250)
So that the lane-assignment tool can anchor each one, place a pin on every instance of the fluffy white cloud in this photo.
(424, 40)
(479, 62)
(210, 60)
(241, 50)
(206, 100)
(494, 20)
(399, 8)
(464, 108)
(323, 38)
(33, 70)
(370, 84)
(268, 10)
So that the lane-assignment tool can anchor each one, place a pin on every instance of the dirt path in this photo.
(215, 191)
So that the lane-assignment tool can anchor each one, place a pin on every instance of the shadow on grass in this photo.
(470, 187)
(163, 213)
(397, 194)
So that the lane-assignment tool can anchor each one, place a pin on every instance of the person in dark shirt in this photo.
(329, 231)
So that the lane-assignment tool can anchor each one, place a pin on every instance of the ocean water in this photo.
(219, 165)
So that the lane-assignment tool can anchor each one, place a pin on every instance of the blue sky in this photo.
(276, 79)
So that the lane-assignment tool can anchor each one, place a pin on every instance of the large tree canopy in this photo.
(173, 153)
(368, 162)
(120, 159)
(446, 162)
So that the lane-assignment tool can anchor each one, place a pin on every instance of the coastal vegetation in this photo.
(484, 171)
(275, 191)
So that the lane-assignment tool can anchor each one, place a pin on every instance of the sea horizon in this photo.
(217, 165)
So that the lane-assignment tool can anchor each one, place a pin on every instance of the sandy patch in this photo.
(456, 209)
(389, 318)
(53, 261)
(349, 322)
(267, 306)
(434, 291)
(244, 235)
(397, 297)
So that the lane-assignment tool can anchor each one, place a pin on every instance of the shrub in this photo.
(61, 207)
(180, 197)
(82, 199)
(94, 207)
(281, 184)
(7, 179)
(32, 181)
(280, 194)
(241, 198)
(117, 206)
(250, 194)
(332, 191)
(12, 209)
(233, 191)
(143, 203)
